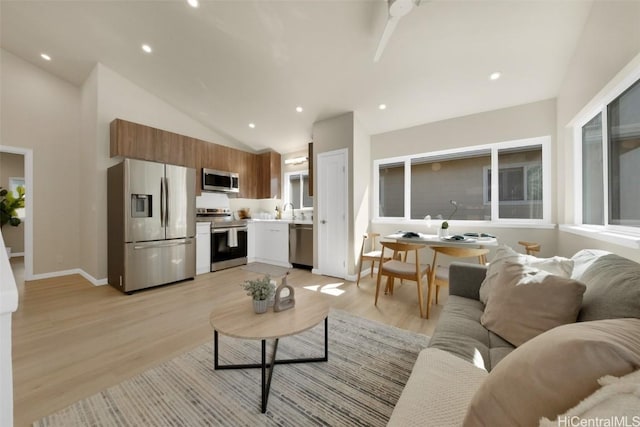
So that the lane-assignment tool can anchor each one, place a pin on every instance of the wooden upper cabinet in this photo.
(177, 149)
(133, 140)
(259, 173)
(268, 176)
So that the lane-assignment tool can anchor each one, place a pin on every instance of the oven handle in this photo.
(224, 230)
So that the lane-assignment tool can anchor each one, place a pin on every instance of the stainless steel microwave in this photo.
(214, 180)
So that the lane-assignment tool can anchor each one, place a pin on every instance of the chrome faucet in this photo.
(293, 209)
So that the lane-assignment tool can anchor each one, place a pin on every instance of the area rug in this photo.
(369, 364)
(271, 270)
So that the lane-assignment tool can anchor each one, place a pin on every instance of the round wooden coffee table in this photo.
(237, 319)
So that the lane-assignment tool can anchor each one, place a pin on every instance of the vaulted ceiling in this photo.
(231, 63)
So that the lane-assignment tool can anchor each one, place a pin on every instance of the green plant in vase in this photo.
(445, 224)
(261, 290)
(8, 205)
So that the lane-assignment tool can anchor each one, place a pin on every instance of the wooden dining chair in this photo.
(531, 248)
(372, 255)
(440, 274)
(398, 267)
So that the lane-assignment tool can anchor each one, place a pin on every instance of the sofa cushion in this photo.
(525, 301)
(557, 265)
(438, 391)
(460, 333)
(618, 398)
(583, 260)
(552, 372)
(613, 289)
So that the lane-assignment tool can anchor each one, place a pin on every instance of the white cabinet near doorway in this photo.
(269, 242)
(203, 247)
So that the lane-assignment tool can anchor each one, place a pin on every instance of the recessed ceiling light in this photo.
(382, 106)
(147, 48)
(299, 109)
(495, 76)
(193, 3)
(252, 125)
(45, 56)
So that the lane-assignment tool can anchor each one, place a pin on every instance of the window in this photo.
(391, 194)
(592, 174)
(519, 183)
(624, 158)
(430, 181)
(297, 190)
(435, 180)
(611, 163)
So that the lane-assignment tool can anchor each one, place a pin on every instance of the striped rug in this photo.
(369, 363)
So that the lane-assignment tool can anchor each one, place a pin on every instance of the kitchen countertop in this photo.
(285, 221)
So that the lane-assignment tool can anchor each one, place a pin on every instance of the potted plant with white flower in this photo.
(261, 290)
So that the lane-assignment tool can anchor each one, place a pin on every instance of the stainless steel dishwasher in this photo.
(301, 245)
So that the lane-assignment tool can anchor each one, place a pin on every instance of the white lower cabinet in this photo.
(203, 247)
(269, 243)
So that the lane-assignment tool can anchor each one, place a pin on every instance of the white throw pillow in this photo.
(618, 398)
(556, 265)
(583, 260)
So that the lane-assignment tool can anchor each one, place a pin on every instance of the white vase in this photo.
(260, 306)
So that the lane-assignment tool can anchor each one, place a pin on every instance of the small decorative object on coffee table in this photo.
(261, 290)
(285, 298)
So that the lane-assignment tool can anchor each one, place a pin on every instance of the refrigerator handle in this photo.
(166, 201)
(162, 202)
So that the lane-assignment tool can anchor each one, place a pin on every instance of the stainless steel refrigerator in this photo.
(151, 224)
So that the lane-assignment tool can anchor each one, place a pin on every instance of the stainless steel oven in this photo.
(228, 238)
(228, 245)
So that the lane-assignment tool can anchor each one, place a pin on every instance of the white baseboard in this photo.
(349, 277)
(90, 278)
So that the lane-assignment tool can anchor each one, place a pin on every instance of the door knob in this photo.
(323, 221)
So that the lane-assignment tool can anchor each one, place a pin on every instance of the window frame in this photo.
(287, 187)
(494, 148)
(525, 170)
(608, 95)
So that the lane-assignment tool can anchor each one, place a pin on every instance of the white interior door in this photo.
(332, 190)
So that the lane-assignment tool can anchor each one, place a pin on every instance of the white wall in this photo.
(42, 112)
(361, 172)
(68, 130)
(610, 40)
(118, 97)
(88, 225)
(328, 135)
(523, 121)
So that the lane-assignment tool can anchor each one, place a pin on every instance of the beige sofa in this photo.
(455, 377)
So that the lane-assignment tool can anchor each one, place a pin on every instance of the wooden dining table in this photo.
(435, 240)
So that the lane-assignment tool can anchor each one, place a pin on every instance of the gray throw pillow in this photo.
(613, 289)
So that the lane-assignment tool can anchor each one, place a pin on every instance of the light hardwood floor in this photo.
(72, 339)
